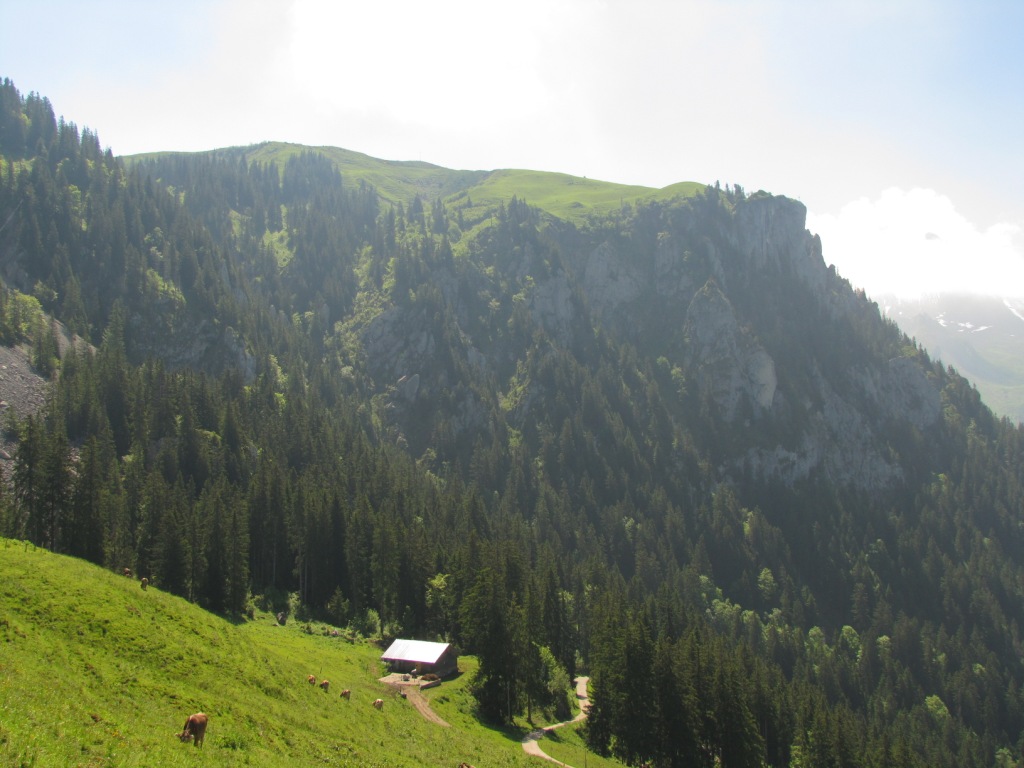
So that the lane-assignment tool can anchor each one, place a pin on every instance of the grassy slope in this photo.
(96, 672)
(561, 195)
(568, 197)
(394, 180)
(567, 746)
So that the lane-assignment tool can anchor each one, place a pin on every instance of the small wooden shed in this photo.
(421, 657)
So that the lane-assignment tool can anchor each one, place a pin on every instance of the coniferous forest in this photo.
(661, 443)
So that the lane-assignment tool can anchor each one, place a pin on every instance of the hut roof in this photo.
(417, 651)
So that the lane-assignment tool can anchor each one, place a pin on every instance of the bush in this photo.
(367, 625)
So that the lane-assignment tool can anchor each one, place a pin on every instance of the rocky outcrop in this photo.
(770, 233)
(610, 280)
(395, 346)
(170, 331)
(838, 440)
(688, 293)
(552, 308)
(673, 276)
(902, 391)
(728, 366)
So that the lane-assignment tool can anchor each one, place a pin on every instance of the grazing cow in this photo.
(144, 583)
(325, 684)
(346, 694)
(195, 728)
(465, 765)
(379, 704)
(281, 618)
(311, 679)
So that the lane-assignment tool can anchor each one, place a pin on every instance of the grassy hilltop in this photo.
(572, 198)
(95, 671)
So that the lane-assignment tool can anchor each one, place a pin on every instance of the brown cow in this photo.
(144, 582)
(346, 694)
(379, 704)
(128, 572)
(195, 728)
(311, 679)
(325, 684)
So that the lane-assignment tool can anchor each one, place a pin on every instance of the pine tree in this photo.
(89, 500)
(493, 627)
(675, 707)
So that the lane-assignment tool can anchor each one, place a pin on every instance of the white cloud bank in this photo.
(916, 243)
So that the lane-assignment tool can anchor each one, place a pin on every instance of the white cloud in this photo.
(914, 243)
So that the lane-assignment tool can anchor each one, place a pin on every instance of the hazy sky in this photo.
(899, 123)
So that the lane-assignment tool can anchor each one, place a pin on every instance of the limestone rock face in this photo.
(672, 278)
(728, 365)
(408, 387)
(181, 341)
(610, 280)
(552, 308)
(837, 440)
(395, 346)
(904, 391)
(770, 232)
(709, 293)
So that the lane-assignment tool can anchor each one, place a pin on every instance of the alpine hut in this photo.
(421, 657)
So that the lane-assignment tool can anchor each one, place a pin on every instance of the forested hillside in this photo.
(660, 440)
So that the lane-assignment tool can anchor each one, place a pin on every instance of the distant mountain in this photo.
(559, 422)
(981, 336)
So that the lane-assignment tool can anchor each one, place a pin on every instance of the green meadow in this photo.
(566, 197)
(95, 671)
(566, 746)
(572, 198)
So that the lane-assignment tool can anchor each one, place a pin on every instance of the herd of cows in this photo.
(346, 694)
(194, 729)
(195, 725)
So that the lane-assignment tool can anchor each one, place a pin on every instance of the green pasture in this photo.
(567, 746)
(564, 196)
(95, 671)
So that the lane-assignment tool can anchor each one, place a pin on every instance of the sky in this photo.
(898, 123)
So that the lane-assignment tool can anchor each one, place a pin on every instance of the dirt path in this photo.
(530, 745)
(419, 701)
(410, 691)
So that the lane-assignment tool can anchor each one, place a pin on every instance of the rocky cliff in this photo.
(695, 289)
